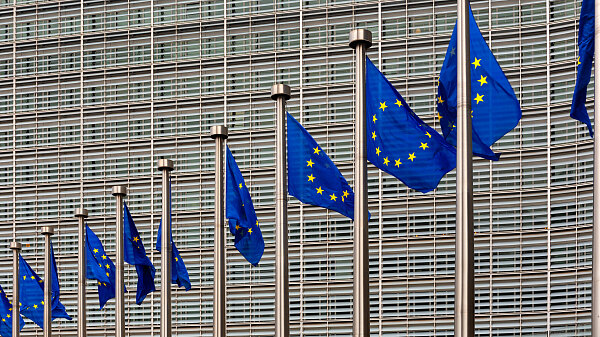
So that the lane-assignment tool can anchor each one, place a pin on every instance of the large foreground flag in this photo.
(135, 254)
(399, 142)
(495, 108)
(584, 64)
(243, 222)
(99, 267)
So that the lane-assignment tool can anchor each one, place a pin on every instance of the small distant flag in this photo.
(312, 177)
(243, 222)
(135, 254)
(179, 273)
(399, 142)
(99, 267)
(495, 107)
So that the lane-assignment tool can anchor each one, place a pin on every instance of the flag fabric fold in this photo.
(399, 142)
(99, 267)
(179, 273)
(31, 293)
(243, 222)
(312, 177)
(135, 254)
(584, 64)
(6, 316)
(495, 109)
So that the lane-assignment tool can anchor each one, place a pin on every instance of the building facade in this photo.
(93, 93)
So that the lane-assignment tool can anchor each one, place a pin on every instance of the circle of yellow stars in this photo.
(311, 178)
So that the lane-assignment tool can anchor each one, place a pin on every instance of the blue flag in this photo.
(584, 64)
(495, 109)
(312, 177)
(6, 315)
(99, 267)
(32, 293)
(179, 273)
(243, 223)
(399, 142)
(135, 254)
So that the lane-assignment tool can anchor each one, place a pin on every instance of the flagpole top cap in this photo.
(48, 230)
(280, 89)
(165, 164)
(361, 36)
(81, 212)
(119, 190)
(219, 131)
(15, 245)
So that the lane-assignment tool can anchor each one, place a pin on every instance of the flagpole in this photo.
(81, 214)
(16, 248)
(47, 231)
(464, 301)
(281, 93)
(119, 192)
(360, 41)
(596, 210)
(165, 166)
(219, 133)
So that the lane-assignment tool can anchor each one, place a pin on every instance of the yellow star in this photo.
(42, 302)
(309, 163)
(579, 60)
(257, 223)
(479, 98)
(424, 146)
(3, 320)
(135, 239)
(428, 135)
(104, 256)
(333, 197)
(35, 306)
(439, 116)
(237, 227)
(176, 259)
(107, 274)
(250, 231)
(386, 161)
(398, 103)
(477, 63)
(311, 178)
(240, 185)
(100, 264)
(483, 80)
(373, 135)
(378, 151)
(398, 163)
(374, 118)
(382, 106)
(320, 190)
(24, 277)
(346, 194)
(317, 150)
(411, 156)
(95, 251)
(440, 100)
(107, 266)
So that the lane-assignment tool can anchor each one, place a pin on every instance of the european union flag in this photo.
(312, 177)
(32, 293)
(99, 267)
(584, 64)
(6, 315)
(179, 273)
(135, 254)
(399, 142)
(243, 222)
(495, 109)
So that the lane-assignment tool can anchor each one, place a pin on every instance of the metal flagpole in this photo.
(16, 248)
(596, 210)
(219, 133)
(464, 298)
(81, 214)
(47, 231)
(166, 166)
(360, 41)
(120, 192)
(281, 93)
